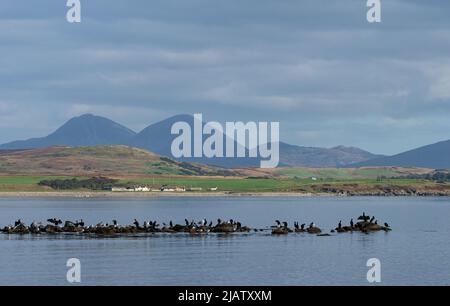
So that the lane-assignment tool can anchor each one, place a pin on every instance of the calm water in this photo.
(417, 251)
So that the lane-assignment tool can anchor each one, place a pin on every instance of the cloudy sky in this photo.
(316, 66)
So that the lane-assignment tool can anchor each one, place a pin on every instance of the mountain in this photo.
(158, 139)
(298, 156)
(86, 130)
(90, 130)
(114, 160)
(435, 156)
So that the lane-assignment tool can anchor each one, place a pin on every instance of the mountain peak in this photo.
(84, 130)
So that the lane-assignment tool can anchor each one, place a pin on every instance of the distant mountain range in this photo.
(435, 156)
(298, 156)
(91, 130)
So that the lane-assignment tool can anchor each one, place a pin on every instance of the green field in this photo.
(26, 183)
(339, 173)
(30, 183)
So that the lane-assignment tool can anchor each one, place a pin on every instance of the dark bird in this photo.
(351, 223)
(303, 226)
(171, 223)
(372, 219)
(386, 225)
(340, 224)
(54, 221)
(219, 222)
(18, 222)
(296, 225)
(285, 224)
(364, 217)
(136, 223)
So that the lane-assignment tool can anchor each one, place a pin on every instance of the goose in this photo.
(285, 224)
(296, 225)
(302, 226)
(372, 219)
(136, 223)
(340, 224)
(170, 224)
(311, 225)
(386, 225)
(351, 223)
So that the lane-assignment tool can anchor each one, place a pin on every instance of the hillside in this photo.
(436, 156)
(99, 160)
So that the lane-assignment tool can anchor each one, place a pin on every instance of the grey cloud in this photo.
(317, 67)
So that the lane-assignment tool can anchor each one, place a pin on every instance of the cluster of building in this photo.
(164, 188)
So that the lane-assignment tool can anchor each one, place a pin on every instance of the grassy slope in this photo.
(99, 160)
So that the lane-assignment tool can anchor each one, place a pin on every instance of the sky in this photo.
(316, 66)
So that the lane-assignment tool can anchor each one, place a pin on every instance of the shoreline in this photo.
(87, 194)
(140, 195)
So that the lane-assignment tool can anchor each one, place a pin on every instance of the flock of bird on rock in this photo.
(365, 224)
